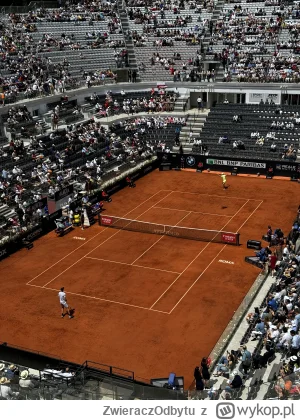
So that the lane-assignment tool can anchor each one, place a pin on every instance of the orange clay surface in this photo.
(148, 303)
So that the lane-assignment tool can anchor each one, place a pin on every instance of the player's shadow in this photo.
(72, 311)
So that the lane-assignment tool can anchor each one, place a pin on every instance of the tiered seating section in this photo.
(52, 50)
(271, 338)
(255, 41)
(263, 131)
(143, 101)
(167, 37)
(39, 161)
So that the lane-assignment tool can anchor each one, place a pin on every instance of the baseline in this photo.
(97, 298)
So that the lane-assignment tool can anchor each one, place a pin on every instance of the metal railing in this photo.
(91, 381)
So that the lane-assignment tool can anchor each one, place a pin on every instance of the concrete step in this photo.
(3, 208)
(195, 127)
(186, 149)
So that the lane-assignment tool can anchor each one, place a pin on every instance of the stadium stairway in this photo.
(215, 16)
(181, 102)
(6, 211)
(128, 39)
(195, 124)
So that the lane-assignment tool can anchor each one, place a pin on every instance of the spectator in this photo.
(205, 371)
(5, 390)
(246, 359)
(199, 384)
(25, 381)
(236, 382)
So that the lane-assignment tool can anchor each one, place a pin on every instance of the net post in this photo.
(237, 239)
(99, 220)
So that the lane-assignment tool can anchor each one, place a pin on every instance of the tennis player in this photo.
(223, 176)
(63, 303)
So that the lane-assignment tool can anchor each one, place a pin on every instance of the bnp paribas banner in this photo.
(258, 165)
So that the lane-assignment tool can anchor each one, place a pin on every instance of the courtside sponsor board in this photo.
(229, 238)
(106, 220)
(258, 165)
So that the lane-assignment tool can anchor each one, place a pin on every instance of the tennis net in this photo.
(175, 231)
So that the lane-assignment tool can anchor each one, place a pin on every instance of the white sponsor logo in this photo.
(79, 238)
(258, 165)
(226, 262)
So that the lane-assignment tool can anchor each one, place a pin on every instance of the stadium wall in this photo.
(253, 166)
(215, 92)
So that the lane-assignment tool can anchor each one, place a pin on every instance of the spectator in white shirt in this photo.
(285, 339)
(25, 381)
(286, 251)
(5, 390)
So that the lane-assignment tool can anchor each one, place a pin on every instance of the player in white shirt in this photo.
(63, 303)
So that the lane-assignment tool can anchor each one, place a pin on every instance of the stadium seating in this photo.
(38, 161)
(266, 131)
(197, 41)
(274, 359)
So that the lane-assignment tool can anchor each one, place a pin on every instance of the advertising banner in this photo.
(106, 221)
(229, 238)
(256, 165)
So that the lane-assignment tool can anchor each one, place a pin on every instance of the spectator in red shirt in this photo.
(272, 263)
(130, 183)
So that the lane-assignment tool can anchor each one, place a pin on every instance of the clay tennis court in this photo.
(148, 303)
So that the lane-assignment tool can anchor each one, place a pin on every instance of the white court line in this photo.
(211, 262)
(249, 216)
(198, 255)
(196, 212)
(213, 195)
(90, 240)
(158, 240)
(80, 259)
(96, 298)
(131, 265)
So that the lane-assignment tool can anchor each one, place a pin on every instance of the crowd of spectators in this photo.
(253, 50)
(26, 67)
(160, 101)
(79, 153)
(19, 382)
(272, 337)
(252, 47)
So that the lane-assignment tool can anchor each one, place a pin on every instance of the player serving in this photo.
(223, 176)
